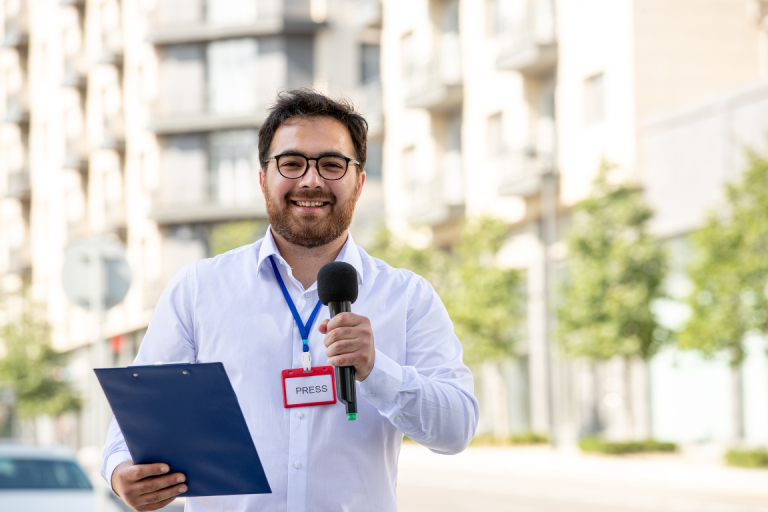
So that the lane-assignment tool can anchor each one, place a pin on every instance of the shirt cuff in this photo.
(383, 384)
(113, 461)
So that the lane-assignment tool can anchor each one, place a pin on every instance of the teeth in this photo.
(308, 204)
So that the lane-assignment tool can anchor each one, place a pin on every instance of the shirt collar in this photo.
(349, 254)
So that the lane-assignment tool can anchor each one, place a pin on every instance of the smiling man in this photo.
(408, 362)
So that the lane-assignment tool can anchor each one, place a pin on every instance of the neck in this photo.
(306, 262)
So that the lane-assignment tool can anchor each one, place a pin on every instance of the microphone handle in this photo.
(345, 376)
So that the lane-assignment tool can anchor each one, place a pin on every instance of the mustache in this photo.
(310, 196)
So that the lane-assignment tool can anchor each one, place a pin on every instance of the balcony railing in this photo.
(17, 107)
(368, 13)
(113, 132)
(521, 171)
(226, 194)
(269, 17)
(440, 197)
(74, 72)
(18, 185)
(75, 153)
(437, 84)
(16, 28)
(19, 260)
(372, 106)
(529, 43)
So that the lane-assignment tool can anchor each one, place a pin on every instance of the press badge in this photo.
(304, 389)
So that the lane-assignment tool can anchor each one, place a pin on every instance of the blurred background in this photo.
(585, 182)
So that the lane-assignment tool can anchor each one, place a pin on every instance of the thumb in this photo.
(323, 327)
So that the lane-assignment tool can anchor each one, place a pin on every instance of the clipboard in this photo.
(187, 416)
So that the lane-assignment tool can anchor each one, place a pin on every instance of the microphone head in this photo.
(337, 282)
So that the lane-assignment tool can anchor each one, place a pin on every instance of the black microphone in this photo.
(337, 289)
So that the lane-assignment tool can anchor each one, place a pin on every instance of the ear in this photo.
(360, 183)
(262, 177)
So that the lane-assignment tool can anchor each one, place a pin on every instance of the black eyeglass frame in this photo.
(276, 158)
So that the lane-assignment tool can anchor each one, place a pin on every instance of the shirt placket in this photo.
(298, 443)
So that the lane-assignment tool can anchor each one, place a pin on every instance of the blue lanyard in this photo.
(303, 329)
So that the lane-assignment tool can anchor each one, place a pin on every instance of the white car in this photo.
(36, 479)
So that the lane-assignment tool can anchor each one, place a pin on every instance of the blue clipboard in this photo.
(187, 416)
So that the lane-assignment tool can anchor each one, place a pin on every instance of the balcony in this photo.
(17, 108)
(269, 17)
(522, 170)
(437, 84)
(19, 260)
(438, 198)
(75, 154)
(115, 219)
(231, 194)
(372, 106)
(16, 28)
(74, 72)
(18, 185)
(529, 43)
(368, 13)
(113, 133)
(170, 124)
(111, 46)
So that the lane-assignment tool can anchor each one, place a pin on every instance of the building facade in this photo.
(137, 120)
(507, 108)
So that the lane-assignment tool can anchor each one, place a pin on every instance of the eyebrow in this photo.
(301, 153)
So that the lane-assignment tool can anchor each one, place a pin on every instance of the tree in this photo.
(30, 366)
(485, 302)
(729, 274)
(614, 272)
(231, 235)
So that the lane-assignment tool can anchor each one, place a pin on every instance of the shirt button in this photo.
(300, 415)
(297, 464)
(397, 419)
(306, 295)
(370, 394)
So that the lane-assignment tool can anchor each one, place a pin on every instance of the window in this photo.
(495, 137)
(373, 165)
(594, 100)
(369, 63)
(41, 474)
(232, 79)
(233, 178)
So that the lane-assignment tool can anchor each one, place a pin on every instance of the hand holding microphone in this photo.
(348, 337)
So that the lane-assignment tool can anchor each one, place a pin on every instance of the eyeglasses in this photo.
(295, 165)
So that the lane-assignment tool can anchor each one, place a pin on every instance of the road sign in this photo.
(96, 267)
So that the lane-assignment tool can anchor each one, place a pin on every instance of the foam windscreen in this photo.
(337, 282)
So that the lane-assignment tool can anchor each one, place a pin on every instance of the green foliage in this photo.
(729, 297)
(747, 458)
(527, 438)
(31, 368)
(614, 272)
(485, 302)
(594, 445)
(231, 235)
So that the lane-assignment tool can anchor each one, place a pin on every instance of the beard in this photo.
(309, 229)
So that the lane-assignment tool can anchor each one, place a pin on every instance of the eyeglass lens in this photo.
(329, 167)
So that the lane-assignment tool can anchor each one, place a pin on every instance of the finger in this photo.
(158, 505)
(153, 484)
(163, 495)
(352, 359)
(142, 471)
(342, 347)
(344, 319)
(341, 333)
(323, 327)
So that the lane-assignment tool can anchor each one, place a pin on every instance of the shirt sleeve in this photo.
(430, 398)
(169, 338)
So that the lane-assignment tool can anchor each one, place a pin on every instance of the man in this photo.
(399, 338)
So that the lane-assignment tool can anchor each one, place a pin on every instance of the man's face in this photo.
(292, 205)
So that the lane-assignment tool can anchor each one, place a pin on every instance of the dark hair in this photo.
(306, 103)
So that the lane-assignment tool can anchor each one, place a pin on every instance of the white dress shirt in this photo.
(230, 309)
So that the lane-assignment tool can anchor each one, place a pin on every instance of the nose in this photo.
(311, 178)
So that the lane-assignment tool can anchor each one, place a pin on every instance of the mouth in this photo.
(310, 206)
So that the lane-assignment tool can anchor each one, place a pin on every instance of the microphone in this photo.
(337, 289)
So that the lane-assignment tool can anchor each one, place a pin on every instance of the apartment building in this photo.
(507, 107)
(137, 120)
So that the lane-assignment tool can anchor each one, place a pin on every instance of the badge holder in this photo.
(307, 388)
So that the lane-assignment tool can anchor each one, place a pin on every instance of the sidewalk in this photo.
(541, 479)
